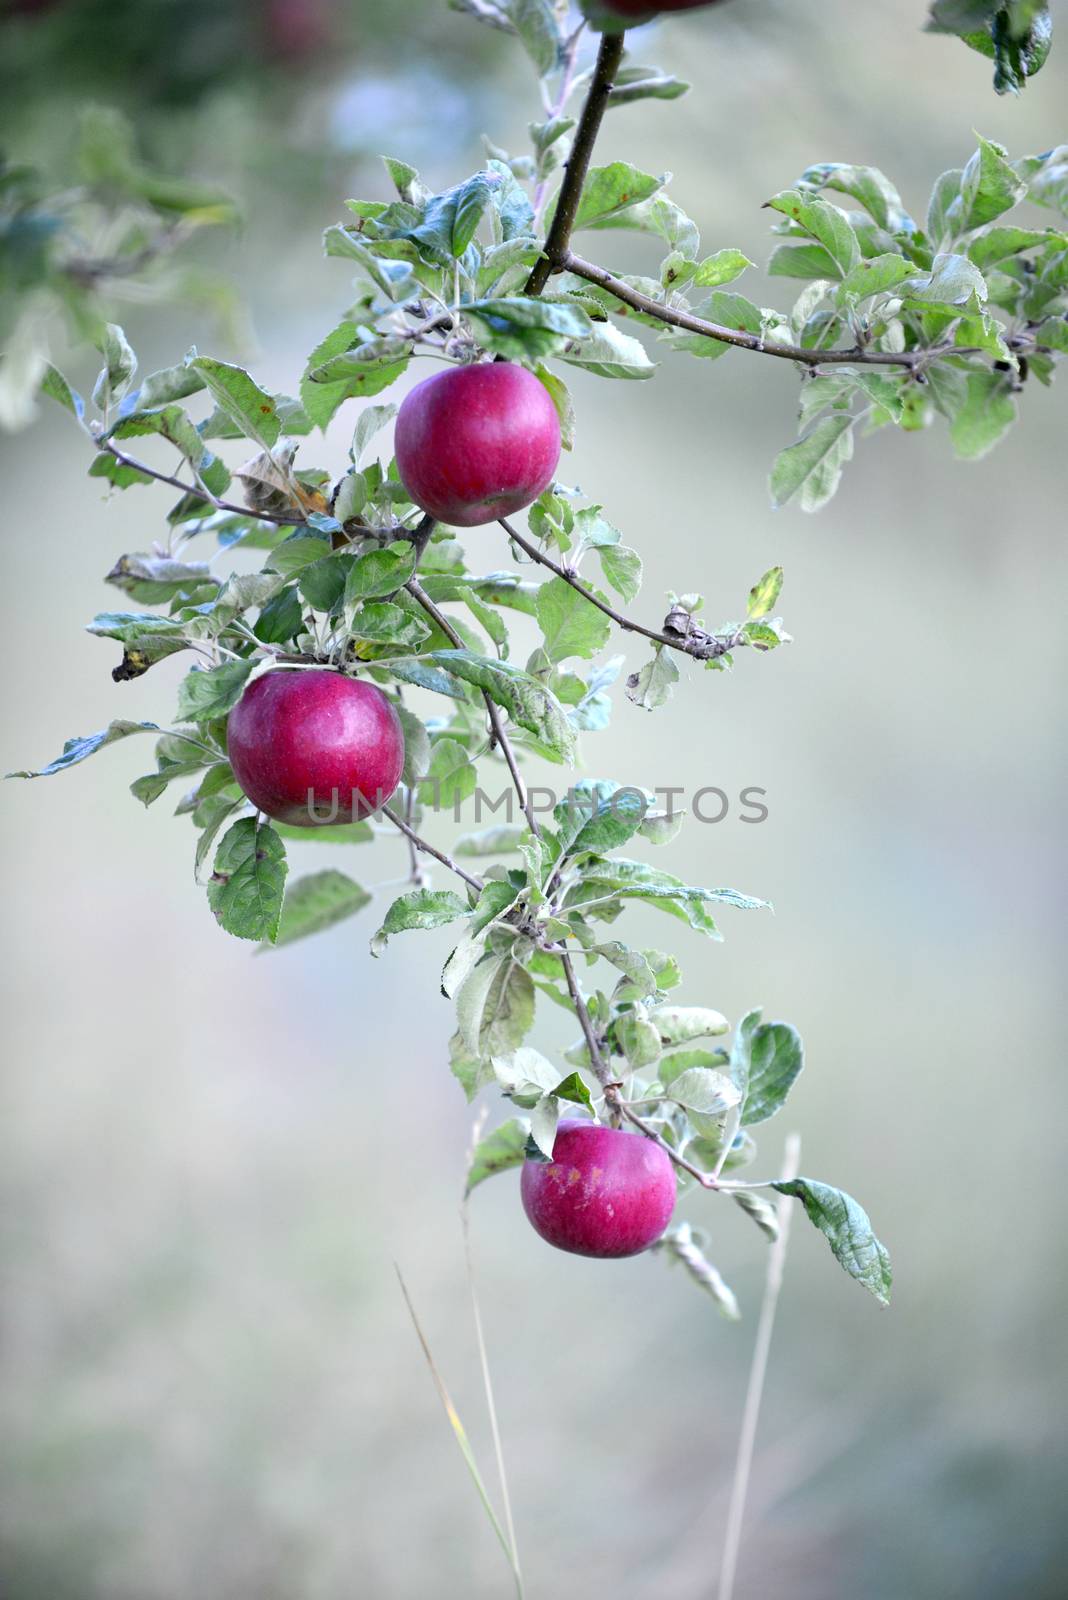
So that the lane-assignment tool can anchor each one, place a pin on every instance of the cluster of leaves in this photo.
(979, 302)
(1015, 34)
(947, 319)
(67, 257)
(346, 572)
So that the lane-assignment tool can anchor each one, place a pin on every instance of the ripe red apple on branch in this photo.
(606, 1192)
(477, 443)
(315, 747)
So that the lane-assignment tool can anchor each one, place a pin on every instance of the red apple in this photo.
(297, 28)
(606, 1192)
(313, 747)
(477, 443)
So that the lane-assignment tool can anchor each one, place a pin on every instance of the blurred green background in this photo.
(211, 1161)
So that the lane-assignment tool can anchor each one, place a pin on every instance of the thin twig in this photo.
(109, 445)
(419, 843)
(697, 642)
(741, 337)
(419, 594)
(554, 255)
(791, 1165)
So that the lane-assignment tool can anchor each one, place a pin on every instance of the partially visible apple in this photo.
(477, 443)
(649, 8)
(297, 28)
(606, 1192)
(312, 747)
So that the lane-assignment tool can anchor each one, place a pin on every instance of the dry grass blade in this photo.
(461, 1435)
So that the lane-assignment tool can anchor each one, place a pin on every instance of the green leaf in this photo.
(723, 267)
(638, 1039)
(764, 595)
(370, 421)
(163, 387)
(120, 364)
(826, 224)
(416, 745)
(809, 261)
(679, 1242)
(641, 980)
(561, 399)
(681, 1024)
(204, 695)
(422, 908)
(574, 1089)
(318, 901)
(998, 244)
(505, 1147)
(490, 841)
(846, 1227)
(242, 400)
(535, 21)
(528, 702)
(514, 210)
(365, 359)
(989, 410)
(56, 387)
(78, 749)
(526, 329)
(381, 572)
(953, 283)
(612, 189)
(322, 583)
(598, 816)
(327, 833)
(495, 1006)
(172, 423)
(766, 1060)
(653, 685)
(248, 881)
(359, 378)
(645, 83)
(812, 468)
(570, 624)
(989, 187)
(706, 1096)
(869, 186)
(608, 353)
(281, 618)
(451, 777)
(622, 568)
(874, 275)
